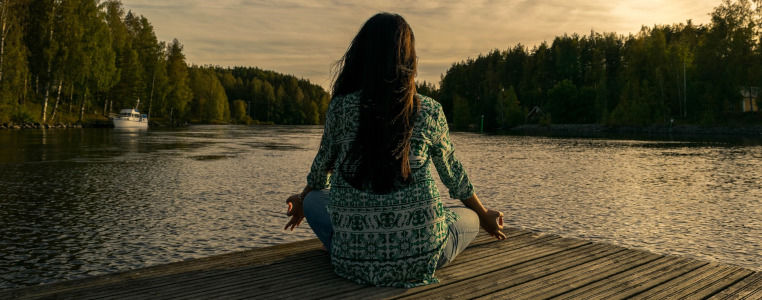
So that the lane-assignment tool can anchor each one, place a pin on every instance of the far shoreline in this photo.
(552, 130)
(651, 131)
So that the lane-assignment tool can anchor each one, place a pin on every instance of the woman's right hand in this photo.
(492, 222)
(295, 211)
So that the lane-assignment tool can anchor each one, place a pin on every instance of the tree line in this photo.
(258, 96)
(666, 73)
(78, 60)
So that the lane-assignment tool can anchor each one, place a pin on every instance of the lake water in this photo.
(82, 202)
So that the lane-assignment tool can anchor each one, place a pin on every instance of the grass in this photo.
(31, 113)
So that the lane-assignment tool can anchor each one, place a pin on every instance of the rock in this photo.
(16, 127)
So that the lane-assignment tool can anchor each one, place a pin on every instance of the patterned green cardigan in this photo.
(394, 239)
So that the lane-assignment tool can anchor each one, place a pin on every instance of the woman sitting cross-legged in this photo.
(370, 195)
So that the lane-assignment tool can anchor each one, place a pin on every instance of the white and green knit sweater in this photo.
(394, 239)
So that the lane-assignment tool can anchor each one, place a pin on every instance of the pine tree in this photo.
(14, 71)
(180, 93)
(462, 113)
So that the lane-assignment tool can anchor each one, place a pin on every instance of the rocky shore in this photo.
(18, 126)
(160, 123)
(578, 130)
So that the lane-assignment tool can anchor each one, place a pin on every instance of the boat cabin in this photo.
(130, 118)
(126, 113)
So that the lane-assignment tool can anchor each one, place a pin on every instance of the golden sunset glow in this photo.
(304, 37)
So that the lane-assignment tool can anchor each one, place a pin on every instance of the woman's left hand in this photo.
(492, 222)
(295, 210)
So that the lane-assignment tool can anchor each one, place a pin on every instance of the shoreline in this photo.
(57, 125)
(597, 130)
(559, 130)
(98, 124)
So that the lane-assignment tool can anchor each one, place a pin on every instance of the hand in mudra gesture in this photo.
(492, 223)
(295, 210)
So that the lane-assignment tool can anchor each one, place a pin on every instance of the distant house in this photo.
(749, 99)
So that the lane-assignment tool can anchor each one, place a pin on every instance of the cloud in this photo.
(305, 37)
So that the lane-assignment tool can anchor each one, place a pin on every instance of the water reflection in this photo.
(81, 202)
(694, 198)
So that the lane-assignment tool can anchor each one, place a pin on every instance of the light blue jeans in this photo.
(460, 233)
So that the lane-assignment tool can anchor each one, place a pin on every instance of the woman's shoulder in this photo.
(345, 98)
(430, 108)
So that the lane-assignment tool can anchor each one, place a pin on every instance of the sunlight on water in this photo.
(76, 203)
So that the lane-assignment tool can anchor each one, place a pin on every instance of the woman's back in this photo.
(392, 239)
(382, 218)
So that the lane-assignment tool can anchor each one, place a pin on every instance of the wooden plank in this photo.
(635, 280)
(233, 283)
(528, 265)
(484, 239)
(722, 283)
(494, 280)
(259, 256)
(541, 247)
(222, 266)
(474, 253)
(244, 281)
(166, 285)
(575, 277)
(337, 285)
(262, 277)
(513, 254)
(256, 285)
(747, 288)
(695, 284)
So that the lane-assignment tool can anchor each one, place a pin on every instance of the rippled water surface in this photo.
(75, 203)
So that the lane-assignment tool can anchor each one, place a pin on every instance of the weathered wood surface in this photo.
(527, 265)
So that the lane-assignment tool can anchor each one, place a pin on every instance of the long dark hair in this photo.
(381, 63)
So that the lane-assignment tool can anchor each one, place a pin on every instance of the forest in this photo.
(77, 61)
(682, 73)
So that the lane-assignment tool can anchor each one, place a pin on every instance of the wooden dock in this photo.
(527, 265)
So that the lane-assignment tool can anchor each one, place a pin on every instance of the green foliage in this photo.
(106, 59)
(692, 73)
(507, 109)
(274, 97)
(462, 113)
(562, 101)
(180, 93)
(210, 103)
(21, 113)
(14, 70)
(239, 114)
(545, 120)
(427, 89)
(637, 106)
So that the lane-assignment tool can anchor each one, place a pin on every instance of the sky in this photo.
(304, 38)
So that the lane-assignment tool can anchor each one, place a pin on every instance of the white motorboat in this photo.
(130, 118)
